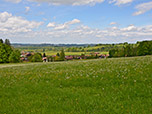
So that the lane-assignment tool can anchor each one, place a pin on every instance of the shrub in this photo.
(14, 57)
(37, 57)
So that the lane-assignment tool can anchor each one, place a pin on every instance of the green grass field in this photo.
(103, 86)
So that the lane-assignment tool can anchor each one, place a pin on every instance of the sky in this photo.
(75, 21)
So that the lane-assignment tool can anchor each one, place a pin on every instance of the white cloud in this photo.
(129, 28)
(4, 16)
(74, 21)
(70, 2)
(113, 23)
(27, 9)
(10, 23)
(51, 25)
(120, 2)
(63, 26)
(14, 1)
(142, 8)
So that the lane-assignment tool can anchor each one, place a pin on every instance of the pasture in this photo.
(117, 85)
(71, 53)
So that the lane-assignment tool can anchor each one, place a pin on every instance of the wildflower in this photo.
(135, 81)
(67, 77)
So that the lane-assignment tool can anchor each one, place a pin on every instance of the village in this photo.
(25, 56)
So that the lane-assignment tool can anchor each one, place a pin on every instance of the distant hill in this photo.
(52, 45)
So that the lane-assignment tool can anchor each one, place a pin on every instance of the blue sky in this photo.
(75, 21)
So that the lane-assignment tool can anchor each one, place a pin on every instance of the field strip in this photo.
(41, 63)
(29, 64)
(63, 62)
(17, 65)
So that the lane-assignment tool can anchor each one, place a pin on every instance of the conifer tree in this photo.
(7, 42)
(44, 55)
(62, 55)
(1, 40)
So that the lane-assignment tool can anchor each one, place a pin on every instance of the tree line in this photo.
(129, 50)
(7, 53)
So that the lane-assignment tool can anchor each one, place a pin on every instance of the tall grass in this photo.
(121, 85)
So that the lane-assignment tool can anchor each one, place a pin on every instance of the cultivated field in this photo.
(121, 85)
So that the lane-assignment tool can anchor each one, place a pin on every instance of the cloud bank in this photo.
(13, 24)
(14, 1)
(70, 2)
(142, 8)
(63, 26)
(120, 2)
(82, 34)
(63, 2)
(75, 2)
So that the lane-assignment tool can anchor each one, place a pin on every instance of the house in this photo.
(107, 55)
(102, 56)
(69, 57)
(25, 55)
(45, 59)
(96, 53)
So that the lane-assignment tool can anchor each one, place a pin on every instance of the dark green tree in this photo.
(112, 52)
(5, 51)
(7, 42)
(37, 57)
(14, 56)
(1, 40)
(89, 46)
(62, 55)
(58, 54)
(127, 50)
(3, 54)
(44, 55)
(145, 48)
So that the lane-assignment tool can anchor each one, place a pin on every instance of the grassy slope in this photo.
(122, 85)
(71, 53)
(40, 50)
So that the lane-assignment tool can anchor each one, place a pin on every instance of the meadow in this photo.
(100, 86)
(71, 53)
(75, 50)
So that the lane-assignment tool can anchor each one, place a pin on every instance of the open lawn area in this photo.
(117, 85)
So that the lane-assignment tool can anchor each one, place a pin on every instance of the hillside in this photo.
(117, 85)
(70, 49)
